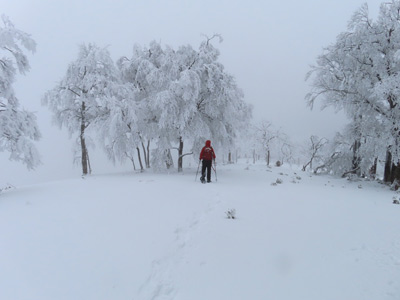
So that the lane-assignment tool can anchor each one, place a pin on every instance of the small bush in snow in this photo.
(395, 201)
(7, 187)
(278, 163)
(231, 214)
(279, 181)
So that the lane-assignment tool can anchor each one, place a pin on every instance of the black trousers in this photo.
(206, 166)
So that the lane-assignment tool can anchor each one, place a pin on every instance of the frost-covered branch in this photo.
(18, 127)
(183, 155)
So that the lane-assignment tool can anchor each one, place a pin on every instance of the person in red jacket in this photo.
(207, 155)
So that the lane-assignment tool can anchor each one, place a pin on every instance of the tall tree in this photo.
(144, 74)
(359, 74)
(80, 99)
(18, 127)
(183, 96)
(120, 132)
(220, 112)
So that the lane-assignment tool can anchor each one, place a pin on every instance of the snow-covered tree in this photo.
(18, 127)
(313, 151)
(146, 74)
(342, 151)
(220, 111)
(81, 99)
(183, 96)
(119, 132)
(265, 135)
(359, 74)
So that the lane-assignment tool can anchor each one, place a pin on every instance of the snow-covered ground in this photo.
(159, 236)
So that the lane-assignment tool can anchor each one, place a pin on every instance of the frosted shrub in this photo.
(7, 187)
(231, 214)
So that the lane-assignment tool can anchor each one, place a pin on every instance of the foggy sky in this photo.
(268, 47)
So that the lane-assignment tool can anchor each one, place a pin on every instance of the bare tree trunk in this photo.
(229, 157)
(268, 157)
(133, 163)
(84, 156)
(254, 156)
(372, 170)
(148, 154)
(84, 153)
(356, 158)
(145, 155)
(396, 176)
(388, 166)
(169, 162)
(392, 170)
(132, 160)
(88, 160)
(140, 159)
(180, 153)
(309, 163)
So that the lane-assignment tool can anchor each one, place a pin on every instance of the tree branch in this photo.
(185, 154)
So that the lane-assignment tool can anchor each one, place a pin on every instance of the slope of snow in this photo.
(159, 236)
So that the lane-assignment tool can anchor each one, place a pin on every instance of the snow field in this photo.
(159, 236)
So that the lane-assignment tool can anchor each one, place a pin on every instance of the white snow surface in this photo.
(166, 236)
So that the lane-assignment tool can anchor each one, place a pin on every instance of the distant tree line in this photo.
(159, 99)
(145, 105)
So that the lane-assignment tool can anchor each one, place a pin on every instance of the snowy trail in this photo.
(160, 283)
(158, 236)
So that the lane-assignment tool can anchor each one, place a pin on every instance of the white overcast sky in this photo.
(268, 46)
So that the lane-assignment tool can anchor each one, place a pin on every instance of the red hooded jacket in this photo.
(207, 153)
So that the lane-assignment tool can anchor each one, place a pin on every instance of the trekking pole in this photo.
(198, 167)
(215, 171)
